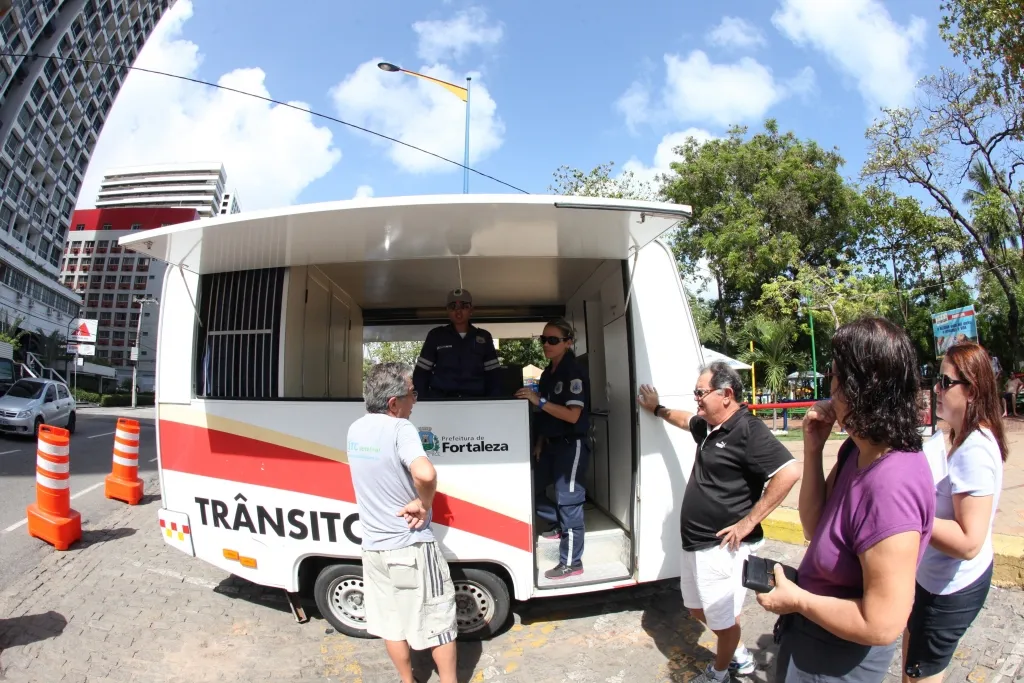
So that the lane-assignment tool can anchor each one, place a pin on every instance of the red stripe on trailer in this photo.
(222, 455)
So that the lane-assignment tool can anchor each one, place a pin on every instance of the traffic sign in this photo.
(83, 330)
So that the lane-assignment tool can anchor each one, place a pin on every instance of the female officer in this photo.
(561, 450)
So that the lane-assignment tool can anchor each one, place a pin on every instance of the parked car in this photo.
(34, 401)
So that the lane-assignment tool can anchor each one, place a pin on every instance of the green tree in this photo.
(704, 320)
(773, 355)
(761, 207)
(389, 352)
(838, 295)
(10, 331)
(52, 347)
(933, 146)
(521, 352)
(598, 182)
(987, 35)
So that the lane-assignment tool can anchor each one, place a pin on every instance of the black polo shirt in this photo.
(567, 385)
(732, 466)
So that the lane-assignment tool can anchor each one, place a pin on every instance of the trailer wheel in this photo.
(339, 597)
(481, 602)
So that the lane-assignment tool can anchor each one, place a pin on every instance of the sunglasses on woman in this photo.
(947, 382)
(553, 341)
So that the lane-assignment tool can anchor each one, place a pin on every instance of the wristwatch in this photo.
(540, 404)
(657, 408)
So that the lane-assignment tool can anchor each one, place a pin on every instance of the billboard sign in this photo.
(83, 331)
(81, 349)
(954, 327)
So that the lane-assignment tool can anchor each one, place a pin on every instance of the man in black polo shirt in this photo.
(723, 505)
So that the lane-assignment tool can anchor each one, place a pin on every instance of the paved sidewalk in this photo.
(126, 607)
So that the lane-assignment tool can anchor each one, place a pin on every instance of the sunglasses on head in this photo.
(947, 382)
(552, 341)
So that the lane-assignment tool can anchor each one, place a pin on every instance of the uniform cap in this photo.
(460, 295)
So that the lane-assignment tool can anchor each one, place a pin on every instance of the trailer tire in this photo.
(338, 592)
(482, 602)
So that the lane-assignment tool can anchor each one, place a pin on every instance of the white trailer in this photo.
(259, 375)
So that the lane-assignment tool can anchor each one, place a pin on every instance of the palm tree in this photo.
(773, 353)
(11, 332)
(984, 185)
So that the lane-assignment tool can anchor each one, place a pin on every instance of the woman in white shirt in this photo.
(954, 577)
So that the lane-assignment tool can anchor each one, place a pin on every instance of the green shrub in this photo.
(82, 396)
(125, 400)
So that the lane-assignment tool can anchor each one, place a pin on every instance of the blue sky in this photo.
(554, 83)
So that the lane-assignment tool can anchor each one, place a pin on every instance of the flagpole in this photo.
(465, 164)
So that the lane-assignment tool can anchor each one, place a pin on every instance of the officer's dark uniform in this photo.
(452, 366)
(564, 457)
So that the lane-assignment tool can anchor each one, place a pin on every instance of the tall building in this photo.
(230, 203)
(110, 278)
(51, 114)
(199, 186)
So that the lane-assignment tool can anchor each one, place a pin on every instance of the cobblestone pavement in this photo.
(122, 606)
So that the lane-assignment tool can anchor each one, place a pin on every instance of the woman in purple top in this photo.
(868, 523)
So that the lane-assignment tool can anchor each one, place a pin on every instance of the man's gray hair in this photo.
(385, 381)
(724, 377)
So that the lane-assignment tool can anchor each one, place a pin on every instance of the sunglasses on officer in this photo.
(946, 382)
(459, 306)
(552, 340)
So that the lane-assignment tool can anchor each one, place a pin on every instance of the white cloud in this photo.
(363, 192)
(861, 40)
(664, 155)
(420, 113)
(734, 32)
(452, 38)
(700, 91)
(271, 153)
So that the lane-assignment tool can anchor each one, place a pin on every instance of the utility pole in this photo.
(142, 301)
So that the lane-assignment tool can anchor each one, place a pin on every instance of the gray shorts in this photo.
(810, 654)
(409, 595)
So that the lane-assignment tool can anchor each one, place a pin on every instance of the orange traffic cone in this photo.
(51, 517)
(123, 483)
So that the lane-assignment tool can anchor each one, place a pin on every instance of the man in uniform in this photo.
(457, 360)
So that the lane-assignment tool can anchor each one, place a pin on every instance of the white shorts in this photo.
(409, 595)
(712, 580)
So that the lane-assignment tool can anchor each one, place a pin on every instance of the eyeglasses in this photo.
(552, 341)
(459, 306)
(947, 382)
(701, 393)
(414, 394)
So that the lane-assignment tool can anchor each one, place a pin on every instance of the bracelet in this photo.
(657, 408)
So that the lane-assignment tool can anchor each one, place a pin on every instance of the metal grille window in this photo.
(239, 334)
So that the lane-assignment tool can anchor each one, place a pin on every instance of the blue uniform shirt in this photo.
(567, 385)
(451, 365)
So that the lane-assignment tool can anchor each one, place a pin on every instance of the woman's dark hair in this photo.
(876, 367)
(973, 364)
(566, 329)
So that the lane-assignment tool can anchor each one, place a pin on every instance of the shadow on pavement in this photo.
(18, 631)
(677, 635)
(94, 536)
(241, 589)
(468, 658)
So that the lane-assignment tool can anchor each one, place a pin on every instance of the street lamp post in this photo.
(814, 355)
(458, 91)
(142, 301)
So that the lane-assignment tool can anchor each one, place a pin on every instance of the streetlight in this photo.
(141, 301)
(814, 355)
(458, 91)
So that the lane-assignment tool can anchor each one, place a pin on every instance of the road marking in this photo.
(9, 452)
(194, 580)
(151, 459)
(84, 491)
(96, 436)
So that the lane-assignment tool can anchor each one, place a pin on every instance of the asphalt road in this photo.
(91, 459)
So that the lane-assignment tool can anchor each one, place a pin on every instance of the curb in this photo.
(784, 525)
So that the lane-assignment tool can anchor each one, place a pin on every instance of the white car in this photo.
(32, 402)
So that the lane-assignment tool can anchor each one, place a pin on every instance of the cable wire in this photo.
(265, 99)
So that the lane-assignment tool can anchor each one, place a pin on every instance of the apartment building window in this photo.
(5, 218)
(140, 282)
(102, 353)
(122, 301)
(80, 226)
(110, 282)
(9, 30)
(120, 320)
(108, 301)
(112, 263)
(12, 146)
(134, 320)
(101, 246)
(24, 117)
(126, 282)
(136, 226)
(107, 226)
(105, 319)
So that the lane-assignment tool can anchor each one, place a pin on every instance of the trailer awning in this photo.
(417, 227)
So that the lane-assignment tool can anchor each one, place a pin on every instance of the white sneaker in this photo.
(743, 664)
(711, 676)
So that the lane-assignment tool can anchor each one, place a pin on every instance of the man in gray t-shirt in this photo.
(404, 571)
